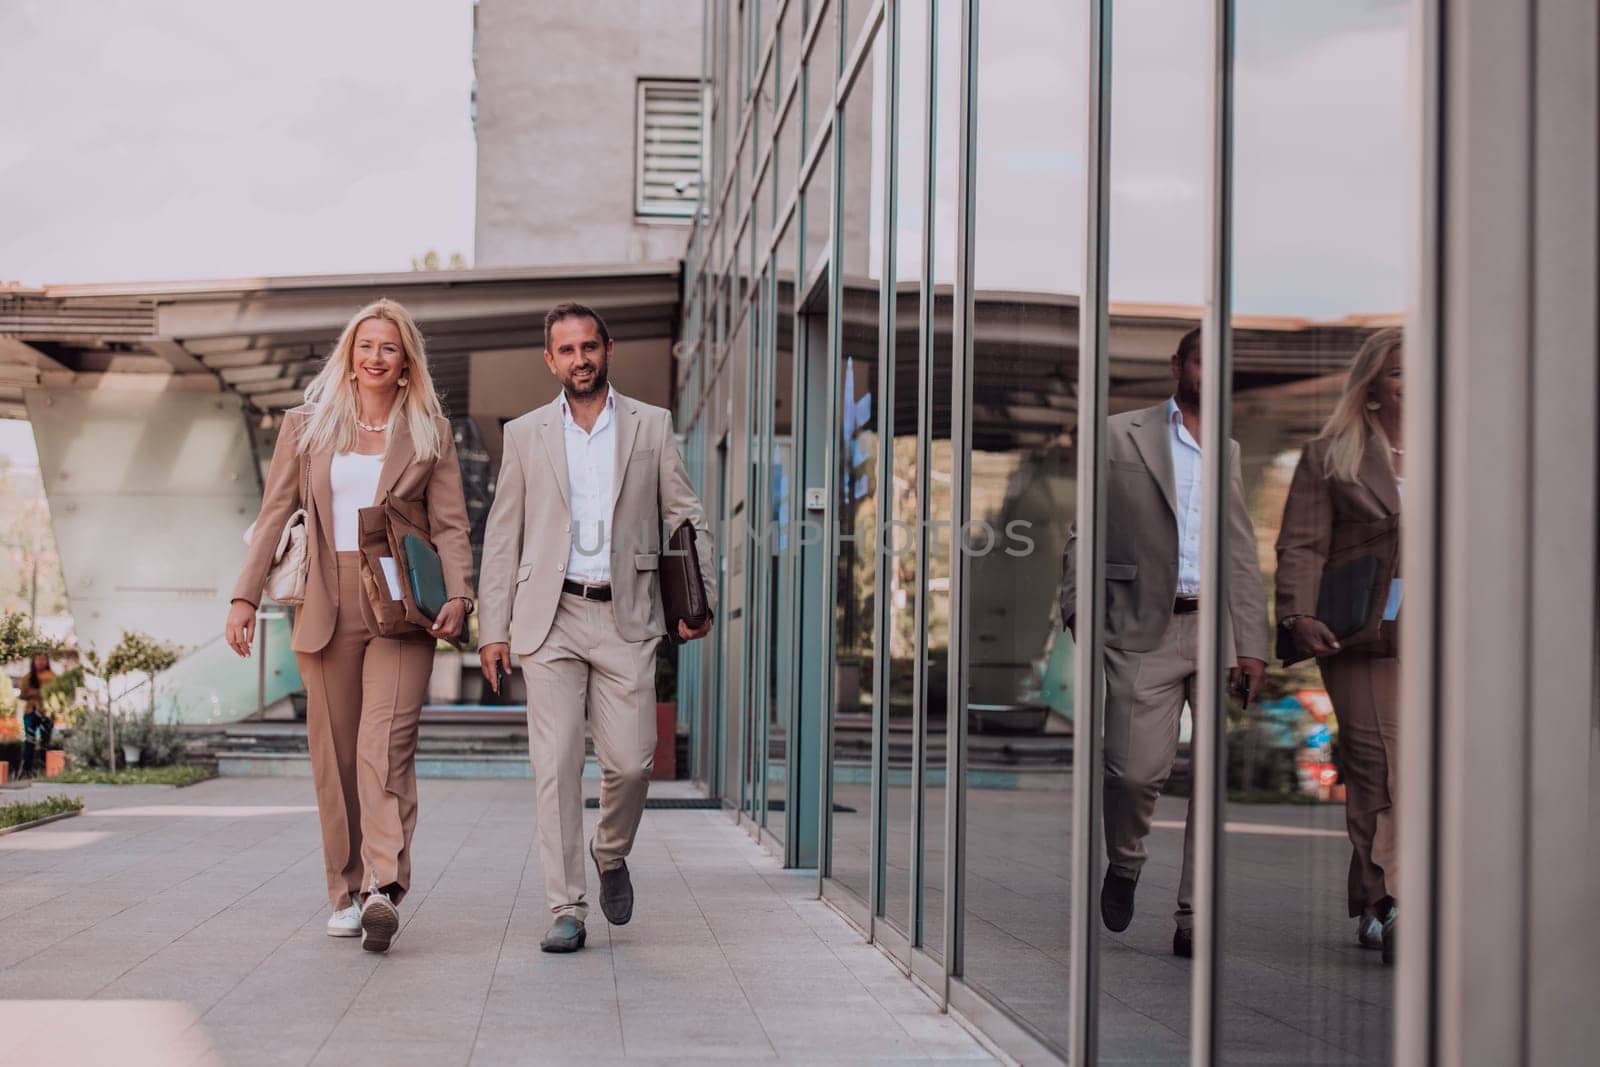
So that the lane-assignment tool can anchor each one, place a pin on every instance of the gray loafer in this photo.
(566, 934)
(616, 891)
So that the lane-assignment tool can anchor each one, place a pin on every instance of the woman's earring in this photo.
(352, 376)
(404, 382)
(1373, 405)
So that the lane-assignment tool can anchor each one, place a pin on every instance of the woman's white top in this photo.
(355, 486)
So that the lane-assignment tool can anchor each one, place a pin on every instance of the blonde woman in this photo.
(1345, 498)
(371, 426)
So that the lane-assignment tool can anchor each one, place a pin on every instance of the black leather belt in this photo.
(1186, 605)
(588, 592)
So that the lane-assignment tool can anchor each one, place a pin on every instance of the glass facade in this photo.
(1017, 251)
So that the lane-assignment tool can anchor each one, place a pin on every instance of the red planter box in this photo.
(666, 765)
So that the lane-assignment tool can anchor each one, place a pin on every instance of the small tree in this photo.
(19, 640)
(135, 653)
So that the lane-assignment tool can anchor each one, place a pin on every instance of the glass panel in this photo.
(818, 205)
(856, 489)
(902, 539)
(855, 12)
(1028, 247)
(1318, 272)
(789, 43)
(937, 457)
(822, 73)
(788, 152)
(1157, 260)
(779, 545)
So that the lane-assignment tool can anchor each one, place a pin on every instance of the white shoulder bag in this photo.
(286, 580)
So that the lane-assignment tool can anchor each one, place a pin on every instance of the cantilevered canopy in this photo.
(264, 338)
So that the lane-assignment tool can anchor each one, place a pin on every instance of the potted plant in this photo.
(135, 653)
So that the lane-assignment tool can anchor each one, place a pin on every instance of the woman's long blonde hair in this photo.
(1351, 423)
(332, 393)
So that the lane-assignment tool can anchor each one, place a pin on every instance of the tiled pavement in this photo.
(186, 926)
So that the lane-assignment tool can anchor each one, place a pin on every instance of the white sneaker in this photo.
(346, 923)
(379, 921)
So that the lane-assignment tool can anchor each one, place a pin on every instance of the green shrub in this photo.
(20, 811)
(180, 775)
(159, 743)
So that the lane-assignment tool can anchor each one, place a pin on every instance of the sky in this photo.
(163, 139)
(178, 139)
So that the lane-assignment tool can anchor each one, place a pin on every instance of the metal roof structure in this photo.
(265, 338)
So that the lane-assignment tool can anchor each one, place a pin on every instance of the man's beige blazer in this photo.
(1142, 542)
(528, 540)
(436, 482)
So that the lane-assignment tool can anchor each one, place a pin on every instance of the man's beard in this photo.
(596, 383)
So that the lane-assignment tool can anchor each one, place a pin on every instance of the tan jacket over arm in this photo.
(680, 504)
(279, 499)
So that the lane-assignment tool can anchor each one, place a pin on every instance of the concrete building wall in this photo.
(556, 88)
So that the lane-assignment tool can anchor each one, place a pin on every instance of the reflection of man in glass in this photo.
(1152, 621)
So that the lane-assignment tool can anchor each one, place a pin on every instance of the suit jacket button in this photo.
(561, 566)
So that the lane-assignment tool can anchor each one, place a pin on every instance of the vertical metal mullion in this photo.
(761, 527)
(1089, 666)
(1416, 1008)
(1216, 465)
(960, 498)
(752, 356)
(830, 481)
(789, 633)
(925, 379)
(886, 409)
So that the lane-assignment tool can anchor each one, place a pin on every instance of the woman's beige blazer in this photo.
(436, 482)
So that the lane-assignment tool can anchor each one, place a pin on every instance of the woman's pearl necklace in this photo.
(372, 429)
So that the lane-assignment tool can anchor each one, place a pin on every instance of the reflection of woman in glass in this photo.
(1344, 504)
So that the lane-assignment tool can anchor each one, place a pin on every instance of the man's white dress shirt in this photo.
(591, 473)
(1186, 485)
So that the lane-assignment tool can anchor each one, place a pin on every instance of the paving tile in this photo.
(204, 909)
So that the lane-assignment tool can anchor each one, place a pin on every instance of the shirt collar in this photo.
(566, 410)
(1173, 414)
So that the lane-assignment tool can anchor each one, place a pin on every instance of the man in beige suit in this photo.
(569, 582)
(1152, 590)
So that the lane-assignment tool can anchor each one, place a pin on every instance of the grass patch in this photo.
(179, 774)
(20, 811)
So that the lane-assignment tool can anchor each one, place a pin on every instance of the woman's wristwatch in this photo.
(1288, 621)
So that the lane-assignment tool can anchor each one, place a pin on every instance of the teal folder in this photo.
(426, 575)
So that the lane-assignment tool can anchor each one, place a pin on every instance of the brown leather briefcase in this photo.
(683, 588)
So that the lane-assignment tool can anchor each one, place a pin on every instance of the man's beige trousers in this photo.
(585, 664)
(363, 699)
(1145, 696)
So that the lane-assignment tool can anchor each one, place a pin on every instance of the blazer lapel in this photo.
(1151, 435)
(627, 429)
(552, 432)
(396, 460)
(1378, 476)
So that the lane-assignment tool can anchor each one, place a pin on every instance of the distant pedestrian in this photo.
(38, 725)
(571, 560)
